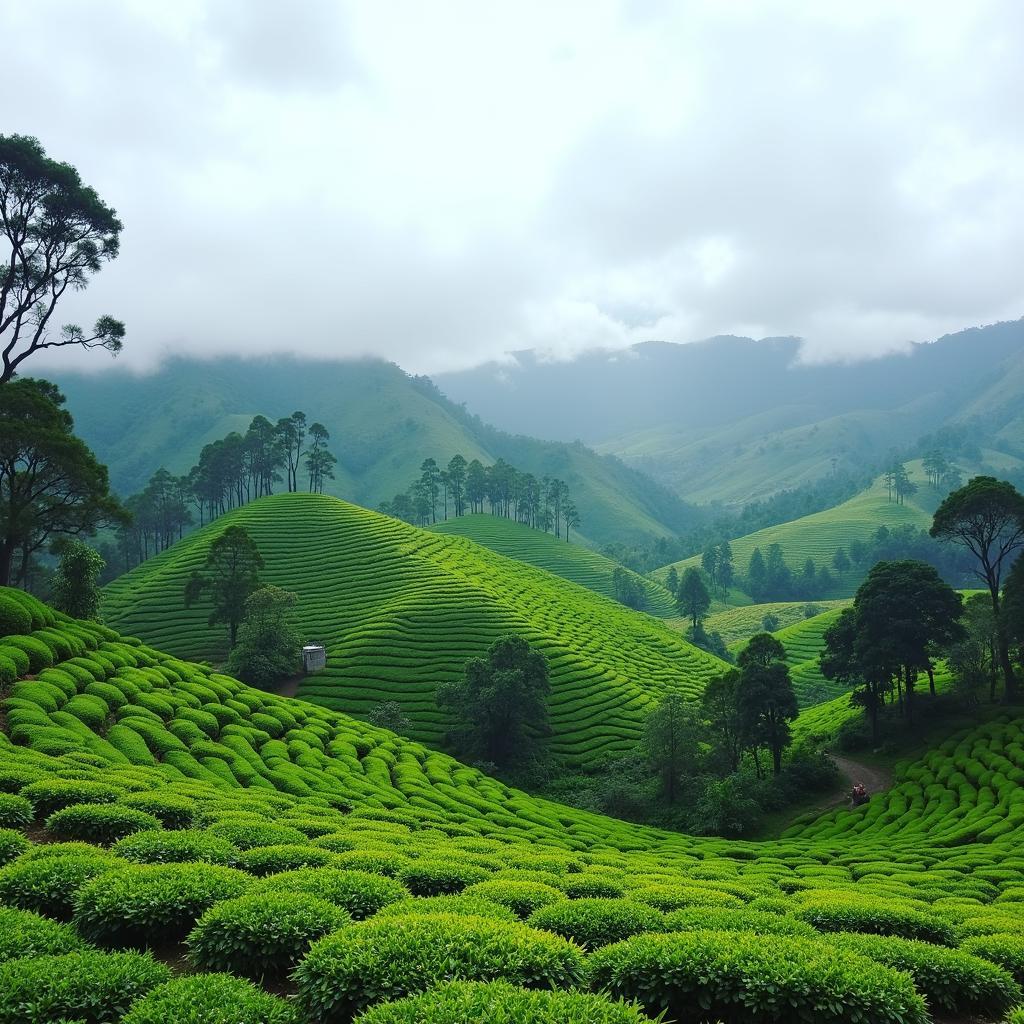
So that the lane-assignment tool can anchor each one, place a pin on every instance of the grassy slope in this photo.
(401, 610)
(818, 536)
(737, 625)
(570, 561)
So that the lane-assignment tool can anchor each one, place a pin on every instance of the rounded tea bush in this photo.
(251, 834)
(150, 903)
(23, 933)
(99, 823)
(675, 897)
(398, 956)
(1003, 949)
(270, 860)
(497, 1002)
(592, 923)
(12, 844)
(210, 999)
(440, 877)
(261, 934)
(50, 796)
(358, 892)
(15, 811)
(173, 811)
(949, 979)
(741, 976)
(460, 903)
(692, 919)
(833, 912)
(160, 846)
(579, 887)
(521, 897)
(48, 885)
(91, 987)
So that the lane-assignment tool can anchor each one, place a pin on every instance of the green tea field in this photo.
(177, 847)
(400, 610)
(737, 625)
(544, 550)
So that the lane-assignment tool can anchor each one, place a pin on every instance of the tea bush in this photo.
(597, 922)
(210, 999)
(99, 823)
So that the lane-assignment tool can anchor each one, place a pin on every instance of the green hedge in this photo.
(460, 903)
(949, 979)
(147, 903)
(48, 885)
(439, 877)
(497, 1002)
(15, 811)
(361, 894)
(262, 934)
(598, 922)
(397, 956)
(91, 987)
(210, 999)
(830, 912)
(12, 844)
(23, 933)
(54, 795)
(270, 860)
(159, 846)
(521, 897)
(697, 976)
(1003, 949)
(99, 823)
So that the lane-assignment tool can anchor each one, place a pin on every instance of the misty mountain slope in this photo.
(686, 413)
(383, 424)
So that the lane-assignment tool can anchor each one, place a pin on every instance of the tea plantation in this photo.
(401, 609)
(570, 561)
(177, 847)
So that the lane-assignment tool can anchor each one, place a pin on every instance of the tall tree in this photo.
(59, 233)
(766, 698)
(987, 517)
(457, 482)
(500, 704)
(320, 462)
(720, 704)
(867, 675)
(75, 585)
(672, 741)
(430, 481)
(268, 645)
(757, 575)
(692, 597)
(291, 432)
(572, 518)
(51, 484)
(672, 580)
(231, 574)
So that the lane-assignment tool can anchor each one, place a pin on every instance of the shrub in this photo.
(377, 862)
(460, 903)
(50, 796)
(48, 885)
(675, 897)
(148, 902)
(1003, 949)
(397, 956)
(12, 844)
(39, 654)
(597, 922)
(590, 887)
(497, 1002)
(948, 978)
(361, 894)
(90, 987)
(440, 877)
(834, 912)
(173, 811)
(14, 618)
(210, 999)
(99, 823)
(739, 976)
(247, 835)
(261, 934)
(269, 860)
(23, 933)
(522, 897)
(159, 846)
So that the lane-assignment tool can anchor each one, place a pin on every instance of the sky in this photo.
(441, 183)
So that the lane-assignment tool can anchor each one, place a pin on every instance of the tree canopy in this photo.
(75, 584)
(58, 233)
(268, 645)
(500, 705)
(692, 597)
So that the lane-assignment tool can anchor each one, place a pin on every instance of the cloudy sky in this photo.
(441, 182)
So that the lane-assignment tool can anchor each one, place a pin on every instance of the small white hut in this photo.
(314, 658)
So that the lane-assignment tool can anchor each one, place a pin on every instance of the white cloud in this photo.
(440, 183)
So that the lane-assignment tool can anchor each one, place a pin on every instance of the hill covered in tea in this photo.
(401, 609)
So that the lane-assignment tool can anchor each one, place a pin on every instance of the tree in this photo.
(390, 715)
(721, 709)
(320, 462)
(292, 434)
(726, 569)
(769, 622)
(572, 518)
(672, 741)
(842, 661)
(60, 233)
(757, 576)
(500, 705)
(75, 585)
(709, 563)
(767, 702)
(457, 482)
(430, 482)
(692, 597)
(51, 484)
(841, 561)
(987, 517)
(231, 575)
(672, 581)
(268, 645)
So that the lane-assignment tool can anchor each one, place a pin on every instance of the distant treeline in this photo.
(231, 472)
(466, 487)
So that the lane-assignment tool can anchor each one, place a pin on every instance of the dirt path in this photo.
(875, 780)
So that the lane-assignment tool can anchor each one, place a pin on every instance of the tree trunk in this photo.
(1010, 695)
(777, 758)
(931, 680)
(6, 558)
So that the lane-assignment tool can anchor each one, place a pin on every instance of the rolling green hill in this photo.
(570, 561)
(737, 625)
(383, 424)
(401, 610)
(820, 535)
(161, 798)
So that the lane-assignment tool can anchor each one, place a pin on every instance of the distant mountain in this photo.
(733, 419)
(383, 424)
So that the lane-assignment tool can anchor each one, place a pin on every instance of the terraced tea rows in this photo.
(820, 535)
(570, 561)
(737, 625)
(401, 610)
(394, 884)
